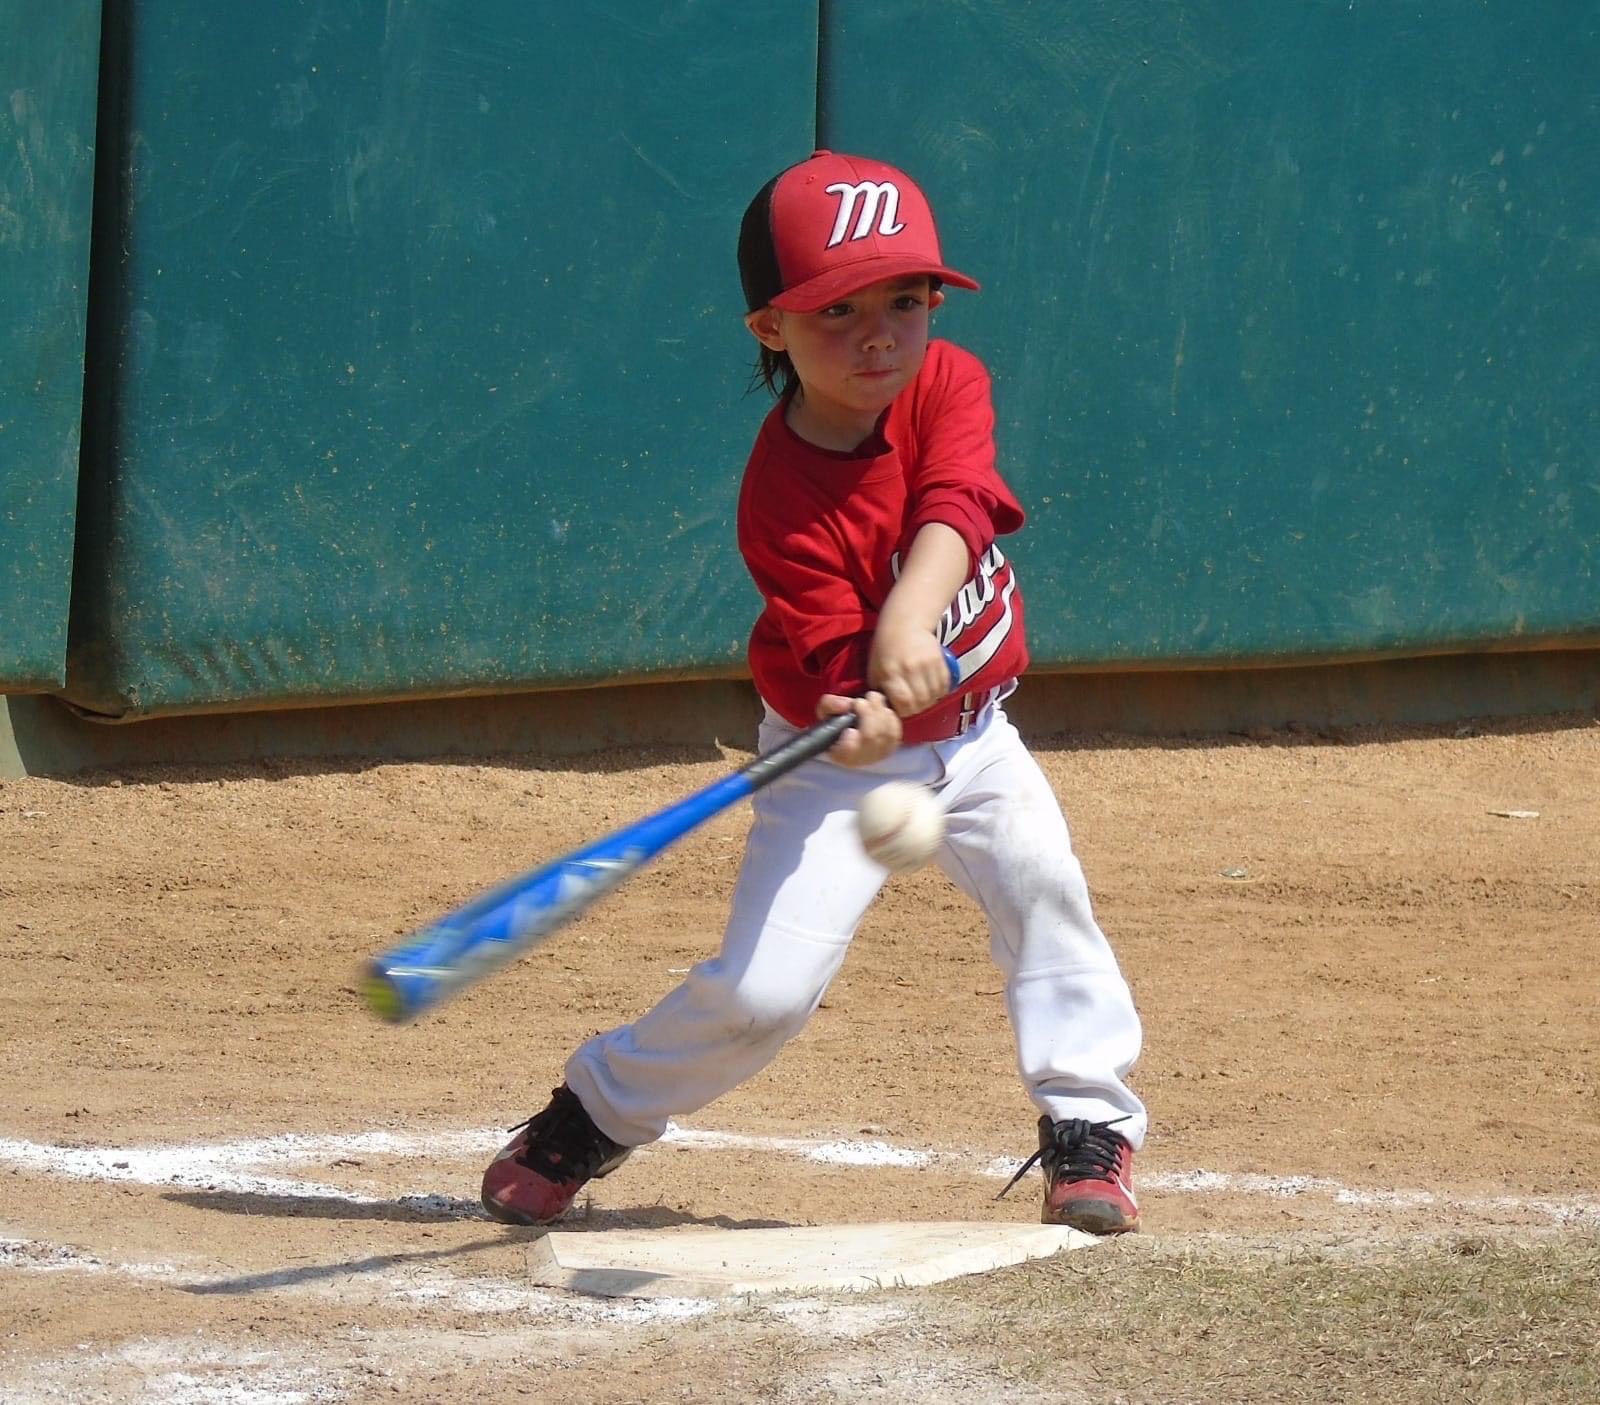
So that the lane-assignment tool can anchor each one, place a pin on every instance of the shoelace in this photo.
(1089, 1150)
(562, 1143)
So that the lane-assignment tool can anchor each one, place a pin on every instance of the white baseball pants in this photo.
(803, 888)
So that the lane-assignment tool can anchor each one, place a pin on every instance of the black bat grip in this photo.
(812, 742)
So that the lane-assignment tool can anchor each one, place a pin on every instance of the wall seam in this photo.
(820, 134)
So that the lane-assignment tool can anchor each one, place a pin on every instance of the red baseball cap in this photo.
(832, 224)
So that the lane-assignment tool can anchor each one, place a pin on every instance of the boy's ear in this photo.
(766, 326)
(935, 298)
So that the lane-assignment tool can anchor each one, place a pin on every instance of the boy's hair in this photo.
(776, 371)
(758, 273)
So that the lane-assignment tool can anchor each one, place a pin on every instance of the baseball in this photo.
(901, 825)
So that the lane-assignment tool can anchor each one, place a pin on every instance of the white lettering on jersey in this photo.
(986, 648)
(971, 601)
(872, 197)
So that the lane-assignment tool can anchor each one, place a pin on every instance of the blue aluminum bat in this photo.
(465, 945)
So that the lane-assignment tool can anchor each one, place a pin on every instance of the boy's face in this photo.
(852, 358)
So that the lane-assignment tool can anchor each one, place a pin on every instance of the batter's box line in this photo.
(238, 1167)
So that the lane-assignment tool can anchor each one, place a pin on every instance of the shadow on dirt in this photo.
(408, 1209)
(436, 1209)
(319, 1273)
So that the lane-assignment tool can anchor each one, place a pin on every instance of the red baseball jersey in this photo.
(823, 534)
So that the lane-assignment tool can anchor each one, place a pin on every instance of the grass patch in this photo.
(1501, 1320)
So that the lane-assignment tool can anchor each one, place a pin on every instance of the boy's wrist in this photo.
(908, 615)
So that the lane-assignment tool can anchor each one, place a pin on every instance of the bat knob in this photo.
(382, 998)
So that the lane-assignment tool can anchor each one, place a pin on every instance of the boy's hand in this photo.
(875, 735)
(908, 665)
(906, 661)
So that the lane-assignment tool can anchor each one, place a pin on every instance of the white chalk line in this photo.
(61, 1258)
(1569, 1213)
(480, 1293)
(238, 1167)
(190, 1370)
(177, 1371)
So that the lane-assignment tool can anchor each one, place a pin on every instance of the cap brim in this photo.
(827, 288)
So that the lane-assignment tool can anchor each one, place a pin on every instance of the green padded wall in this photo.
(423, 370)
(49, 56)
(1292, 308)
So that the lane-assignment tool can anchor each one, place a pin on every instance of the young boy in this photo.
(868, 517)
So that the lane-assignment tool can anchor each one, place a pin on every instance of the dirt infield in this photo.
(1365, 963)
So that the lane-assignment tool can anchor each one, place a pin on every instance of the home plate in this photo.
(693, 1262)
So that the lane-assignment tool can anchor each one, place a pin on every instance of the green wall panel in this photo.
(422, 368)
(1292, 307)
(49, 55)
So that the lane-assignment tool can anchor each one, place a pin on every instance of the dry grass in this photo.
(1424, 1319)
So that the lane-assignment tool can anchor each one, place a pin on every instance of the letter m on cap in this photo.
(878, 202)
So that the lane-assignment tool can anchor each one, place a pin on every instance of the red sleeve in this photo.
(808, 594)
(954, 480)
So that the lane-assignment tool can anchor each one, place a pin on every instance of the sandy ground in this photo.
(1370, 1003)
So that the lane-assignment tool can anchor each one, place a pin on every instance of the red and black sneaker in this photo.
(1088, 1176)
(539, 1172)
